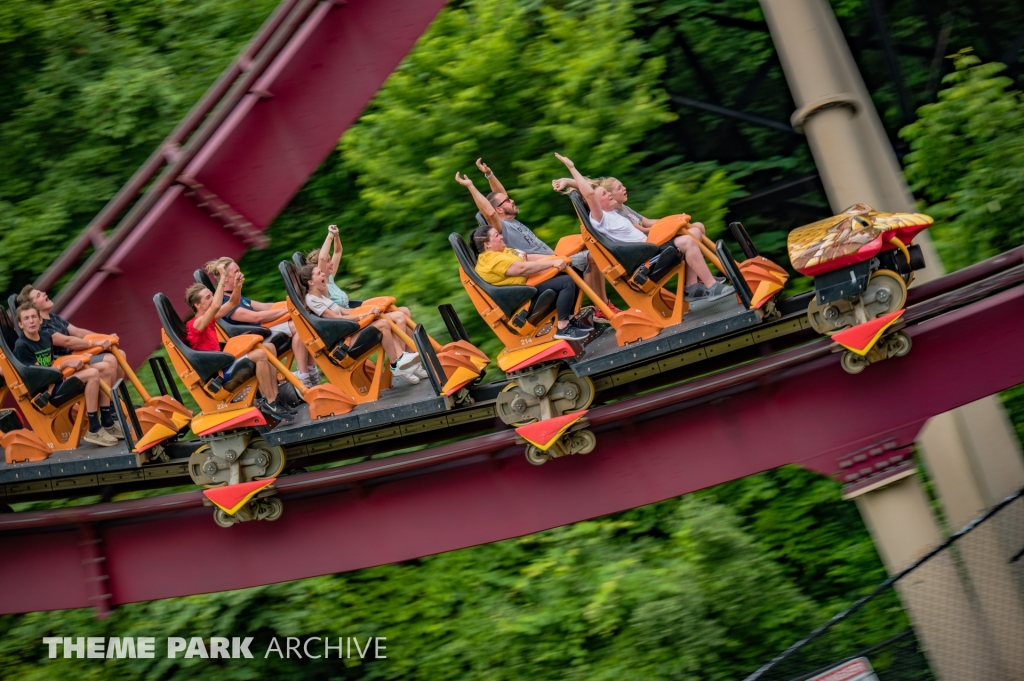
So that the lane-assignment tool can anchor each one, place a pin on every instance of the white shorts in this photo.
(282, 328)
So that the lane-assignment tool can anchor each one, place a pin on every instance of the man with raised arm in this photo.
(501, 213)
(699, 285)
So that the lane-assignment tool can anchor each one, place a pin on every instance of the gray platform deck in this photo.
(400, 403)
(704, 322)
(82, 461)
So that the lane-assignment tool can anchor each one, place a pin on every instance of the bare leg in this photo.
(266, 374)
(401, 320)
(392, 347)
(92, 388)
(696, 268)
(595, 280)
(108, 374)
(301, 356)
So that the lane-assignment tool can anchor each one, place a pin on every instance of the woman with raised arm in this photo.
(201, 334)
(699, 285)
(329, 264)
(404, 364)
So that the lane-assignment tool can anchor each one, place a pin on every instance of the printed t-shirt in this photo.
(520, 237)
(339, 297)
(492, 266)
(32, 352)
(630, 214)
(614, 226)
(56, 324)
(202, 340)
(319, 304)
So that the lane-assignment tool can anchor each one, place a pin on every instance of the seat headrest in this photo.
(8, 333)
(298, 259)
(465, 254)
(481, 220)
(172, 323)
(203, 278)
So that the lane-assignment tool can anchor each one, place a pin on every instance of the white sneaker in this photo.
(420, 371)
(408, 360)
(311, 381)
(101, 438)
(407, 375)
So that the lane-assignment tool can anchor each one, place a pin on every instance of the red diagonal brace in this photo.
(220, 210)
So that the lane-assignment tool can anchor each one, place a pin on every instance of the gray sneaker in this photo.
(695, 292)
(719, 290)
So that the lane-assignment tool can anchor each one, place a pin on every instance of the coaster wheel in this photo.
(889, 290)
(853, 363)
(536, 456)
(514, 404)
(571, 393)
(222, 518)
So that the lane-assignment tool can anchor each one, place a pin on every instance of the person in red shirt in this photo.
(201, 334)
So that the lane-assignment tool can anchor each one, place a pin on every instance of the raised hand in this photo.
(484, 168)
(559, 184)
(568, 163)
(222, 271)
(463, 180)
(239, 280)
(332, 229)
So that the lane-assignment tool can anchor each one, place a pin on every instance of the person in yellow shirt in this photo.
(502, 266)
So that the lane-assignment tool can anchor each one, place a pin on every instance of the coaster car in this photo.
(639, 273)
(862, 261)
(57, 421)
(233, 453)
(542, 389)
(461, 361)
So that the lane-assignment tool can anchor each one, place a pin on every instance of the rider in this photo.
(68, 338)
(328, 265)
(406, 365)
(35, 347)
(201, 334)
(501, 212)
(503, 266)
(699, 285)
(248, 311)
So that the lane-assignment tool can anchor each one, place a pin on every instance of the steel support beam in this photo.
(858, 165)
(650, 448)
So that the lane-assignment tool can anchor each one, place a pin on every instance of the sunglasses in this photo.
(507, 199)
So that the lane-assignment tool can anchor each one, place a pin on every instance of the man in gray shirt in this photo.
(498, 210)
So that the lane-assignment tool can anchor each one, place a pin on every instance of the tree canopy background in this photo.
(705, 587)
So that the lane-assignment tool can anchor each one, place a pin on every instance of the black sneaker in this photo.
(572, 332)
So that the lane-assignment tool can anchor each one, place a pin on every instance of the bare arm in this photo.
(517, 269)
(71, 342)
(204, 320)
(78, 332)
(234, 300)
(482, 204)
(563, 183)
(491, 178)
(585, 189)
(324, 257)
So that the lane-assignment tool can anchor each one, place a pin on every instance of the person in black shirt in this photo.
(68, 338)
(35, 347)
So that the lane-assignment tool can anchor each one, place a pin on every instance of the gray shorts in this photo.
(96, 359)
(580, 261)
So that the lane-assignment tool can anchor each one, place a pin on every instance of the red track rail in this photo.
(794, 407)
(267, 123)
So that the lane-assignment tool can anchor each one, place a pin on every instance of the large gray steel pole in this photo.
(971, 454)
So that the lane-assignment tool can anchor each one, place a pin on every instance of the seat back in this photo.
(36, 379)
(12, 303)
(506, 298)
(298, 259)
(629, 255)
(332, 332)
(230, 328)
(205, 364)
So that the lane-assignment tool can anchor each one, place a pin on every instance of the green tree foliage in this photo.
(967, 162)
(90, 88)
